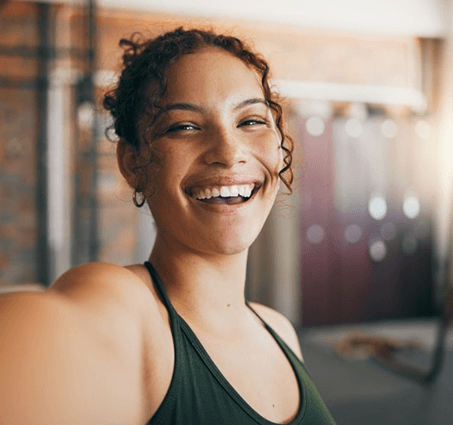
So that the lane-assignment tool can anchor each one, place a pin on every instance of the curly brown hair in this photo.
(134, 101)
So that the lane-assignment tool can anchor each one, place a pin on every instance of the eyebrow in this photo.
(248, 102)
(186, 106)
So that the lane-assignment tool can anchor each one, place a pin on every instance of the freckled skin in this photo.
(219, 146)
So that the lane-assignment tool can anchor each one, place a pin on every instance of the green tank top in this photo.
(200, 395)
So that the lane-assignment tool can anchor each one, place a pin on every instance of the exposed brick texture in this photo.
(295, 54)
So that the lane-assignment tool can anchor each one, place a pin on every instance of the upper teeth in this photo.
(244, 190)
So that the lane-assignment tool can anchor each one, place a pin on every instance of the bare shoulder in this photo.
(56, 348)
(80, 342)
(104, 282)
(281, 325)
(94, 292)
(116, 298)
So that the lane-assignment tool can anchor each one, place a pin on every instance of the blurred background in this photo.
(368, 100)
(364, 238)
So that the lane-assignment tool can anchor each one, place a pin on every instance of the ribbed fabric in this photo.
(200, 395)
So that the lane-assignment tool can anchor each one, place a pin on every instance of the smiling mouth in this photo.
(228, 195)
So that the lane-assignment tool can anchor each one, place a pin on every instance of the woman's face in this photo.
(215, 137)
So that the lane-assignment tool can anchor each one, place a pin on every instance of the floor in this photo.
(363, 392)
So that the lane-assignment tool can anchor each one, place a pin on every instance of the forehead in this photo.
(211, 75)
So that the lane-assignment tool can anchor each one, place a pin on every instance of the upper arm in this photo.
(282, 326)
(70, 355)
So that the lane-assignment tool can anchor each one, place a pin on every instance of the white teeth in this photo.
(244, 190)
(234, 191)
(224, 192)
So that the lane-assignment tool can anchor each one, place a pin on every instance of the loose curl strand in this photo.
(134, 102)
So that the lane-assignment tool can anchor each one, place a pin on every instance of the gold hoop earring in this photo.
(138, 198)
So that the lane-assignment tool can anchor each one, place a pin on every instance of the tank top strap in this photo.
(259, 317)
(160, 289)
(285, 347)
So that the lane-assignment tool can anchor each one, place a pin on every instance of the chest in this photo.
(250, 368)
(258, 369)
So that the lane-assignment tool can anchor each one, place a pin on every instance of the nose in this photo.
(225, 149)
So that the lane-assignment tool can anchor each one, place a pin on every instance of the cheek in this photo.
(169, 166)
(272, 156)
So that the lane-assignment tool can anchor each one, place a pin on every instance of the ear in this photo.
(127, 159)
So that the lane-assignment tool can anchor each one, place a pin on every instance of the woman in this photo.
(172, 341)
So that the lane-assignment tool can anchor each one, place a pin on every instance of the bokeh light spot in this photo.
(315, 126)
(377, 207)
(85, 115)
(378, 250)
(353, 233)
(411, 206)
(389, 129)
(315, 234)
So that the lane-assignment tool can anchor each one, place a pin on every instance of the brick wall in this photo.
(295, 53)
(18, 235)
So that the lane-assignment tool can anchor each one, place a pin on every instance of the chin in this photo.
(231, 244)
(232, 250)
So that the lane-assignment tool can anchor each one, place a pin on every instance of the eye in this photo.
(252, 122)
(181, 127)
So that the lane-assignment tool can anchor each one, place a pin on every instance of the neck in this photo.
(203, 288)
